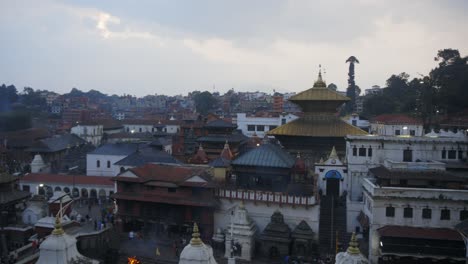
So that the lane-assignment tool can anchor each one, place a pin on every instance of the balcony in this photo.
(416, 193)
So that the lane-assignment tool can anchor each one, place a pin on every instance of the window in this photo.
(354, 122)
(444, 154)
(460, 154)
(139, 129)
(452, 154)
(250, 128)
(397, 132)
(272, 127)
(128, 129)
(98, 163)
(408, 212)
(463, 215)
(427, 213)
(283, 121)
(390, 211)
(108, 164)
(412, 132)
(362, 152)
(354, 151)
(369, 152)
(260, 128)
(407, 155)
(152, 129)
(171, 190)
(445, 214)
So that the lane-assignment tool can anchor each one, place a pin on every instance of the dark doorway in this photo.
(333, 187)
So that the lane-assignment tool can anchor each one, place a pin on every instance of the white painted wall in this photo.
(243, 121)
(90, 133)
(260, 214)
(103, 170)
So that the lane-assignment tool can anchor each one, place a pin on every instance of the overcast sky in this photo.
(174, 47)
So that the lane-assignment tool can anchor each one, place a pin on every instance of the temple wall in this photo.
(260, 214)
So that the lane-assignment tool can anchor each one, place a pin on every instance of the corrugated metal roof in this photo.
(332, 127)
(266, 155)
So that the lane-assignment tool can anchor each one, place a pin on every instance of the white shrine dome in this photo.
(196, 252)
(352, 255)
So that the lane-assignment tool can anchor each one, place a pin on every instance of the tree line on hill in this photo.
(443, 91)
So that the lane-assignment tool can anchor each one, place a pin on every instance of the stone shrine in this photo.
(241, 233)
(276, 237)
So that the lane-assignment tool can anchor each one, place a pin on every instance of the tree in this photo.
(8, 96)
(351, 91)
(204, 102)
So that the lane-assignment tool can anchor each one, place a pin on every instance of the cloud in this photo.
(164, 47)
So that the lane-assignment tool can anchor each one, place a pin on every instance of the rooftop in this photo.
(266, 155)
(66, 179)
(118, 149)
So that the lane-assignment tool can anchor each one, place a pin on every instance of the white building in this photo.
(250, 125)
(79, 186)
(101, 161)
(396, 125)
(421, 205)
(374, 90)
(371, 158)
(89, 131)
(358, 121)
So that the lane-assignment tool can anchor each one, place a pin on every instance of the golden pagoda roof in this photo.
(317, 127)
(319, 94)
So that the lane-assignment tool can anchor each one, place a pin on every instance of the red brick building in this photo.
(165, 198)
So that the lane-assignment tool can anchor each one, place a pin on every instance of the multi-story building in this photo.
(90, 131)
(260, 125)
(166, 198)
(396, 125)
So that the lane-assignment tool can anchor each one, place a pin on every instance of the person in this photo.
(131, 235)
(95, 225)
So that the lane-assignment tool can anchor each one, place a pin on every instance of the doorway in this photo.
(333, 187)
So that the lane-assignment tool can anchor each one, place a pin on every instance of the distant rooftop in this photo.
(117, 149)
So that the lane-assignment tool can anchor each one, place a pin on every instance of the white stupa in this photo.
(196, 252)
(352, 255)
(60, 248)
(38, 165)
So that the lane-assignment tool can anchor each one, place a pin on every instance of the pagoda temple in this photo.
(320, 127)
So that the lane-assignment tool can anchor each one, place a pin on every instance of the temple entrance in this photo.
(333, 187)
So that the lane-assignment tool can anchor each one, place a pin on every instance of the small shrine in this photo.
(303, 240)
(196, 252)
(60, 248)
(276, 237)
(353, 255)
(240, 235)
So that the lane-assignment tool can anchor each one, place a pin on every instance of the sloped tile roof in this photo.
(318, 94)
(145, 156)
(331, 127)
(420, 233)
(395, 119)
(116, 149)
(266, 155)
(47, 178)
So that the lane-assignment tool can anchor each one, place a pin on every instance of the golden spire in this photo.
(196, 241)
(320, 83)
(353, 248)
(58, 227)
(200, 147)
(333, 154)
(241, 205)
(226, 145)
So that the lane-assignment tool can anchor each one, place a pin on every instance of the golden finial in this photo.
(58, 226)
(241, 205)
(320, 83)
(226, 145)
(196, 241)
(353, 248)
(200, 147)
(333, 154)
